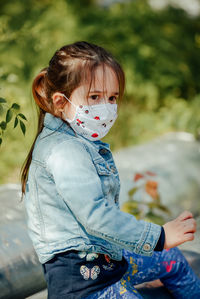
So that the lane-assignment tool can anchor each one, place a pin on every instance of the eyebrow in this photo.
(99, 91)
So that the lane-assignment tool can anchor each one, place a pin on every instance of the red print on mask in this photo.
(95, 135)
(97, 117)
(79, 121)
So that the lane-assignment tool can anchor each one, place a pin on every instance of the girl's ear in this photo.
(58, 101)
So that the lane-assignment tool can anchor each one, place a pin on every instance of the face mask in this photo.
(94, 121)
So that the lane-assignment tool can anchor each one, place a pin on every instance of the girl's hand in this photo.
(179, 230)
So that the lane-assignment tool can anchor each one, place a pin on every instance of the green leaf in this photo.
(1, 109)
(132, 191)
(131, 207)
(0, 141)
(3, 125)
(15, 106)
(9, 115)
(164, 209)
(154, 218)
(16, 122)
(23, 128)
(2, 100)
(22, 116)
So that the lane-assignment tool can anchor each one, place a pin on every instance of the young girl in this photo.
(87, 246)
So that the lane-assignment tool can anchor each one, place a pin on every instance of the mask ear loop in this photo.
(69, 100)
(66, 118)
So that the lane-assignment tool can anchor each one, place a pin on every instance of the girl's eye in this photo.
(94, 97)
(112, 99)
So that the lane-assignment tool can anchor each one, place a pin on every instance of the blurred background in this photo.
(157, 42)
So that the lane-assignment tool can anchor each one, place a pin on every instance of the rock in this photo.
(20, 271)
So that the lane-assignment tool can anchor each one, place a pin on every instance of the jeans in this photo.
(170, 266)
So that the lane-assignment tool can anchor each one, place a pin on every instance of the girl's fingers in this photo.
(188, 237)
(189, 225)
(185, 215)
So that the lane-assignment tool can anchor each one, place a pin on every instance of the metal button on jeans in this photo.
(146, 247)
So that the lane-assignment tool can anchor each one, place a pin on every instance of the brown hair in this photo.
(68, 68)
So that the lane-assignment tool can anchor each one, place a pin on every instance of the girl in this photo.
(87, 246)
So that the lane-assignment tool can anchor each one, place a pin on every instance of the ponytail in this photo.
(39, 91)
(39, 94)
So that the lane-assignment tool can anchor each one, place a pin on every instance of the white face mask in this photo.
(93, 121)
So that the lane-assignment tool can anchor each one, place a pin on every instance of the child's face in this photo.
(104, 89)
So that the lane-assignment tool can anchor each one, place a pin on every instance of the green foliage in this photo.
(10, 112)
(159, 51)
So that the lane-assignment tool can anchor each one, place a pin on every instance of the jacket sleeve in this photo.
(79, 184)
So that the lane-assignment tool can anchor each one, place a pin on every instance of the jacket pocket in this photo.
(105, 175)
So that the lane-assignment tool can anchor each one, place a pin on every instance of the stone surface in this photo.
(40, 295)
(20, 271)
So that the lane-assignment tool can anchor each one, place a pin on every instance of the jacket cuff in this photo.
(161, 241)
(148, 239)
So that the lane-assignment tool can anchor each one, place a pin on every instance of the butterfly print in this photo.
(89, 273)
(108, 267)
(89, 256)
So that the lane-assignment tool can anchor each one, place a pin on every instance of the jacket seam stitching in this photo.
(42, 225)
(109, 237)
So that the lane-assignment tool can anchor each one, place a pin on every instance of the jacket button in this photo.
(116, 198)
(146, 247)
(103, 151)
(113, 169)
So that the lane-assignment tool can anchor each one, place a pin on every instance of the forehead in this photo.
(104, 79)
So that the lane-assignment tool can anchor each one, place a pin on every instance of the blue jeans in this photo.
(170, 266)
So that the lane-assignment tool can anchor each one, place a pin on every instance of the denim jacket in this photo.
(72, 198)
